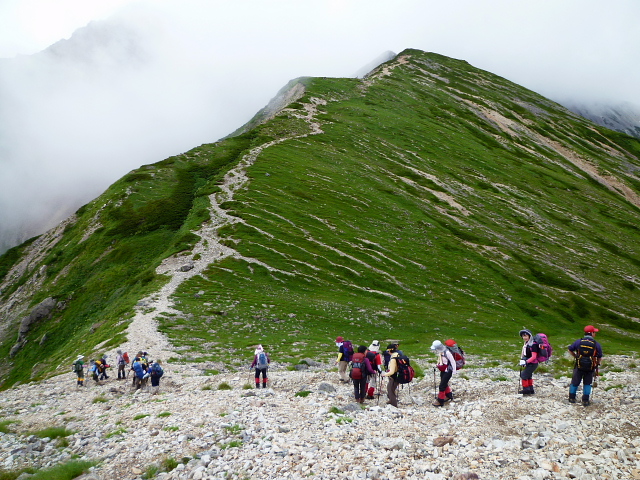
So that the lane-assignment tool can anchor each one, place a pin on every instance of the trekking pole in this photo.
(519, 380)
(435, 395)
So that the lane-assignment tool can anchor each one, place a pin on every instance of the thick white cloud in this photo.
(159, 77)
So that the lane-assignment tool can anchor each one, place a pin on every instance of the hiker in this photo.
(261, 362)
(447, 366)
(392, 385)
(360, 370)
(387, 355)
(139, 373)
(528, 360)
(373, 354)
(155, 373)
(345, 351)
(102, 367)
(94, 370)
(587, 353)
(78, 368)
(122, 363)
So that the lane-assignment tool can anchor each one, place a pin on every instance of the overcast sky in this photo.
(149, 79)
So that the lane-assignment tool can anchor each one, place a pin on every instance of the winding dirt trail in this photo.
(142, 333)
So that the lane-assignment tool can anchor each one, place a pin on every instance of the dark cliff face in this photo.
(428, 198)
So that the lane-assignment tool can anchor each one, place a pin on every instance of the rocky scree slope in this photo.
(488, 430)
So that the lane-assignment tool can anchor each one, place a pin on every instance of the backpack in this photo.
(405, 371)
(544, 346)
(347, 351)
(458, 356)
(125, 357)
(586, 354)
(372, 359)
(157, 370)
(263, 362)
(358, 367)
(77, 366)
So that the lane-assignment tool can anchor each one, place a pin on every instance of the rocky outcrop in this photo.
(39, 312)
(307, 425)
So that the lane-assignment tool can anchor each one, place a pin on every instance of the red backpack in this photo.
(358, 367)
(125, 356)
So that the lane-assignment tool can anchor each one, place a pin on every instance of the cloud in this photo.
(160, 77)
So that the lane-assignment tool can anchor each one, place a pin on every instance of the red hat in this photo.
(339, 339)
(590, 329)
(450, 343)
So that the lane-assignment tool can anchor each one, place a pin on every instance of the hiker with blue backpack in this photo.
(345, 352)
(261, 363)
(155, 372)
(447, 365)
(588, 354)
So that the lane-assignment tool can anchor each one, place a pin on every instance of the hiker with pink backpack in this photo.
(536, 349)
(448, 367)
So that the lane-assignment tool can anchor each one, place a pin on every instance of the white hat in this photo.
(375, 346)
(259, 349)
(80, 357)
(437, 346)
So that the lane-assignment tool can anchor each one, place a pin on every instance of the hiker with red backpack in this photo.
(528, 361)
(261, 362)
(122, 360)
(448, 367)
(373, 354)
(588, 354)
(345, 352)
(360, 371)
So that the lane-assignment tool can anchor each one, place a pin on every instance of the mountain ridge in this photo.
(428, 193)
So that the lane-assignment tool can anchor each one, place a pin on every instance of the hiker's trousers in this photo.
(261, 371)
(527, 371)
(584, 376)
(359, 387)
(392, 391)
(444, 380)
(342, 368)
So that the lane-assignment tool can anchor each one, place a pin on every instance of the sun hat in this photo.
(437, 346)
(339, 339)
(590, 329)
(375, 346)
(80, 357)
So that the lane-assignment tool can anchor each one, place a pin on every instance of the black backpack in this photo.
(405, 371)
(586, 359)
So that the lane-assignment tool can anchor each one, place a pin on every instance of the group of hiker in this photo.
(368, 368)
(142, 367)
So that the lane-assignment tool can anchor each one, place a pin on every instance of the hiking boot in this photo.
(438, 403)
(370, 397)
(572, 398)
(449, 397)
(585, 401)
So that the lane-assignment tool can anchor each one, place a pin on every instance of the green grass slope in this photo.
(439, 200)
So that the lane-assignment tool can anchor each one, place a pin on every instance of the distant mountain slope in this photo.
(430, 199)
(624, 117)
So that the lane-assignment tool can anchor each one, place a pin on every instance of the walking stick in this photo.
(435, 395)
(519, 380)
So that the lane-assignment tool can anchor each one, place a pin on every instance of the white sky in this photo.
(162, 76)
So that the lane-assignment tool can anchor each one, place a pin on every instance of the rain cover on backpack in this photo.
(405, 371)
